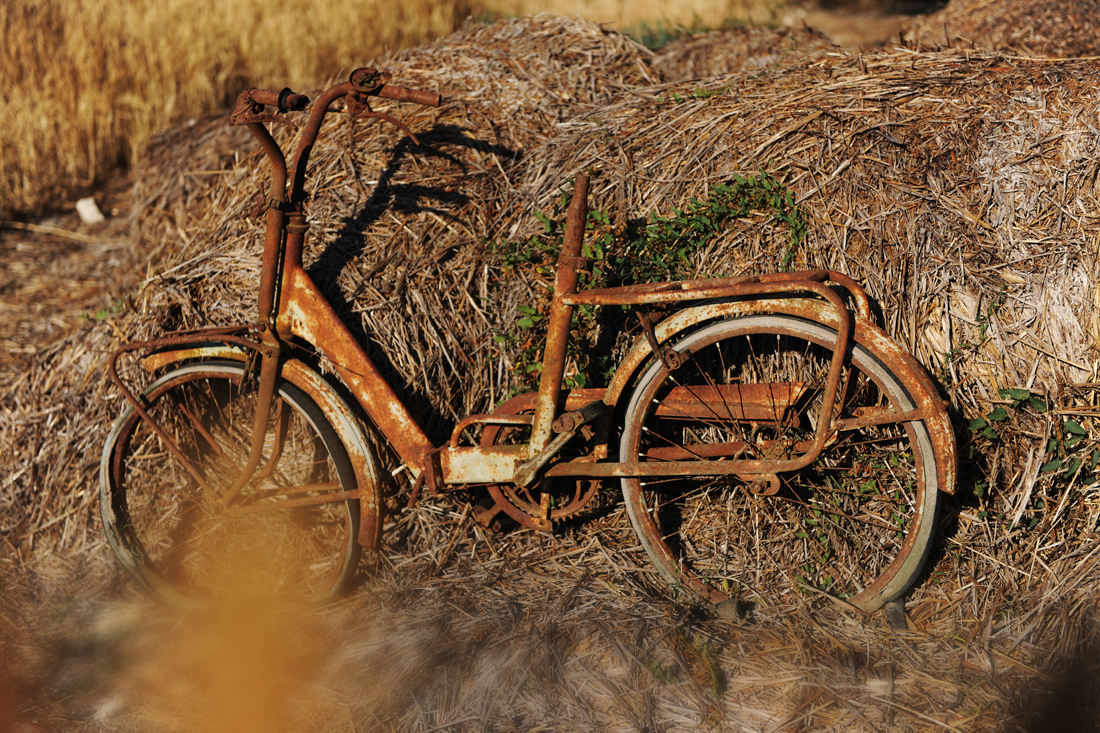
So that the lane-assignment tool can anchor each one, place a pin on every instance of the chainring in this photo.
(547, 501)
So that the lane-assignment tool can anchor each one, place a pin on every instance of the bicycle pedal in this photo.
(488, 517)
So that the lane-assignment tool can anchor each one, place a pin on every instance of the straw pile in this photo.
(959, 187)
(1035, 27)
(400, 231)
(938, 180)
(748, 49)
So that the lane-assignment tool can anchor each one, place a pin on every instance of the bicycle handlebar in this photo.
(253, 110)
(364, 82)
(403, 94)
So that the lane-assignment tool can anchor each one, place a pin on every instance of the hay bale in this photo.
(943, 181)
(748, 49)
(1063, 28)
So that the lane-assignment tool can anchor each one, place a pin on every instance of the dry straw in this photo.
(748, 49)
(959, 186)
(1062, 28)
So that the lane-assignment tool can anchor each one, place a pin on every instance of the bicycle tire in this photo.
(184, 544)
(855, 525)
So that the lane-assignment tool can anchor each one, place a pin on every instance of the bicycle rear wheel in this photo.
(855, 524)
(292, 531)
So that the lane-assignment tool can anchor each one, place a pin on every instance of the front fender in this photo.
(343, 420)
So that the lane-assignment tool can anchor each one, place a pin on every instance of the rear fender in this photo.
(915, 378)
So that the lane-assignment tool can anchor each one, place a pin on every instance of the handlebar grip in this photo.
(283, 99)
(289, 100)
(403, 94)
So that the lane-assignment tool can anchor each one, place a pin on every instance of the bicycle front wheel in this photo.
(855, 524)
(290, 533)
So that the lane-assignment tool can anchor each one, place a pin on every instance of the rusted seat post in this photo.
(560, 317)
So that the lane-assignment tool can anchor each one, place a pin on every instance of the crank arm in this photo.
(566, 426)
(528, 470)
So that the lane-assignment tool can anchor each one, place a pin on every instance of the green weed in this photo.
(104, 314)
(1070, 455)
(654, 249)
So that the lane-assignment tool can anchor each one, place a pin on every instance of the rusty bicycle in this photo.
(762, 428)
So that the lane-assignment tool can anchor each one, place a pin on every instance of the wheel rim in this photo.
(854, 525)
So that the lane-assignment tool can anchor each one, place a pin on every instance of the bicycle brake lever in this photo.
(358, 107)
(244, 117)
(246, 112)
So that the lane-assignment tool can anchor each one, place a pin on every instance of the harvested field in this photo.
(959, 187)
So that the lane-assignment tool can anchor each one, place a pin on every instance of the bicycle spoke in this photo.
(864, 490)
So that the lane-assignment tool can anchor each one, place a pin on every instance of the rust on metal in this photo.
(572, 420)
(671, 358)
(304, 312)
(231, 335)
(725, 449)
(360, 453)
(482, 464)
(766, 484)
(929, 404)
(492, 419)
(560, 317)
(532, 507)
(767, 402)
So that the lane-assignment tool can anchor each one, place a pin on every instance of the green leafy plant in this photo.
(697, 93)
(983, 426)
(1070, 453)
(104, 314)
(657, 248)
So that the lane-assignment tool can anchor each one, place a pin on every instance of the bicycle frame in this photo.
(303, 312)
(735, 387)
(290, 306)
